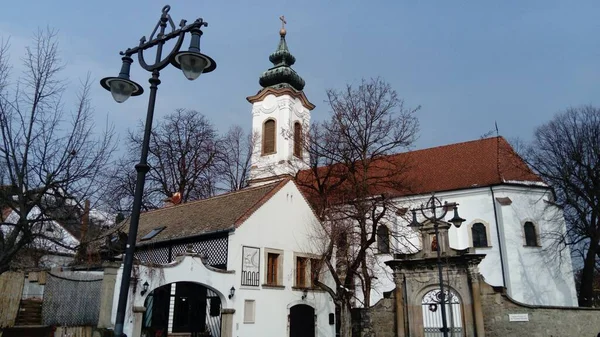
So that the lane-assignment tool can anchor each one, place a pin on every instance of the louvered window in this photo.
(297, 139)
(268, 139)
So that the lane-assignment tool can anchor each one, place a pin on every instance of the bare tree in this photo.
(48, 154)
(565, 152)
(352, 180)
(235, 153)
(182, 159)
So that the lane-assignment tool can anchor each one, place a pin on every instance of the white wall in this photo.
(534, 275)
(287, 223)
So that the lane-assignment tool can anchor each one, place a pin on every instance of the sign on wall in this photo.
(250, 266)
(518, 317)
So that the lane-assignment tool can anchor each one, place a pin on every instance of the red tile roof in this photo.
(477, 163)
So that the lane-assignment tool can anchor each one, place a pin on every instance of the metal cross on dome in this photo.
(283, 22)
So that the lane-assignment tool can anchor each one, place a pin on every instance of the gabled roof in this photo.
(478, 163)
(220, 213)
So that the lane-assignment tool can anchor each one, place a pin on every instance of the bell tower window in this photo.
(298, 139)
(268, 138)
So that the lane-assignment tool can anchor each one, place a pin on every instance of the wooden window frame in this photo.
(263, 151)
(298, 140)
(302, 269)
(310, 259)
(279, 268)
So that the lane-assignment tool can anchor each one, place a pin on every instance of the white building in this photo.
(510, 217)
(250, 271)
(241, 264)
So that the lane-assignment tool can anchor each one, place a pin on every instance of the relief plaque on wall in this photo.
(250, 266)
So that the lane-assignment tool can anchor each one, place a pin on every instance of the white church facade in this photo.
(241, 264)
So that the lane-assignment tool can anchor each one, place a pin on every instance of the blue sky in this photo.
(467, 63)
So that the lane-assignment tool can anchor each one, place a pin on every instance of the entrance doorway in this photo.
(302, 321)
(182, 307)
(432, 314)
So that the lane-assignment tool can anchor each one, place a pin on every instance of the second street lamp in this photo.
(430, 212)
(192, 63)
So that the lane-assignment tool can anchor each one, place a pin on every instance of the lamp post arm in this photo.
(142, 168)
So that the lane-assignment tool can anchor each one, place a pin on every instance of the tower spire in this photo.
(281, 75)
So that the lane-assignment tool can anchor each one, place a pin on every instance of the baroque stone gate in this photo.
(474, 309)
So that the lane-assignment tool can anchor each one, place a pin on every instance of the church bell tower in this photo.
(280, 118)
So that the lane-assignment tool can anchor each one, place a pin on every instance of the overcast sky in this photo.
(467, 64)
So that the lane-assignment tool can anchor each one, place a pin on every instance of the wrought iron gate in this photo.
(432, 314)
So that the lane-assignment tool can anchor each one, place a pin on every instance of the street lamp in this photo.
(192, 63)
(429, 212)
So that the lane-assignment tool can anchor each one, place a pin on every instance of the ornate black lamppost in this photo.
(429, 212)
(192, 63)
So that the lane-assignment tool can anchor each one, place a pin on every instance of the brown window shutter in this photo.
(297, 139)
(269, 137)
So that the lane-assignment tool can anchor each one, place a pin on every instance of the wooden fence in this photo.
(11, 288)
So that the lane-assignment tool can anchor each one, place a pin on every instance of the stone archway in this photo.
(302, 321)
(182, 307)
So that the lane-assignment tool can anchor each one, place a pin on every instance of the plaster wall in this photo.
(286, 111)
(534, 275)
(284, 223)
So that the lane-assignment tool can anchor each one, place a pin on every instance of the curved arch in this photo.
(418, 297)
(301, 302)
(472, 239)
(269, 137)
(531, 233)
(183, 307)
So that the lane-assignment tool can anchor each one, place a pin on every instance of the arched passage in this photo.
(302, 321)
(432, 313)
(182, 307)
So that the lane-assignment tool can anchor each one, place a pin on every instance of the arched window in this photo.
(479, 235)
(268, 138)
(297, 139)
(530, 234)
(383, 239)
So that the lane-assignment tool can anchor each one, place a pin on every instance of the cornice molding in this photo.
(280, 92)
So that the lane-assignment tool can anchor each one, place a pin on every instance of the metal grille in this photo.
(215, 250)
(432, 314)
(70, 301)
(154, 255)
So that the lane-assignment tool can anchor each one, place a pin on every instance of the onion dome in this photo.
(281, 75)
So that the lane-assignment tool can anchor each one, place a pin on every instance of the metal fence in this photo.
(72, 300)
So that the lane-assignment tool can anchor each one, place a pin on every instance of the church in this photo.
(243, 263)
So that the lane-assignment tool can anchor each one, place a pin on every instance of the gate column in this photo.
(227, 322)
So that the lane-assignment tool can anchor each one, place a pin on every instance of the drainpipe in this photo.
(498, 233)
